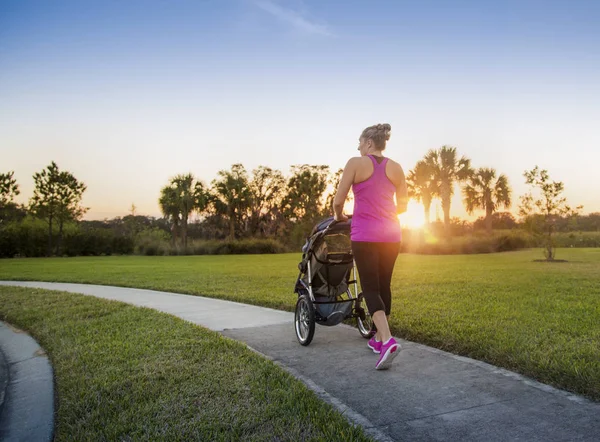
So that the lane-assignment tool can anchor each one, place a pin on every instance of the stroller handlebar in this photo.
(324, 226)
(334, 222)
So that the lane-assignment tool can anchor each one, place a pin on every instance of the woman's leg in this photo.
(378, 333)
(383, 328)
(388, 253)
(387, 260)
(366, 257)
(375, 262)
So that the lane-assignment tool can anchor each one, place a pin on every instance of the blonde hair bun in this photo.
(379, 133)
(386, 129)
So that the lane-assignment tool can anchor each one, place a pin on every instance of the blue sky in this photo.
(127, 94)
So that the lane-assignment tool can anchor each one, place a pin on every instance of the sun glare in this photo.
(414, 217)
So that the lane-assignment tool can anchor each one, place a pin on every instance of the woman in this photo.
(375, 232)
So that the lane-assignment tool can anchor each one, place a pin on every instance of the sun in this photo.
(414, 217)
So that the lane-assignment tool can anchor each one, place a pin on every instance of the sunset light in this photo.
(414, 217)
(232, 173)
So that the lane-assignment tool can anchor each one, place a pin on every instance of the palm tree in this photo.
(484, 191)
(184, 186)
(179, 199)
(448, 170)
(422, 186)
(170, 208)
(231, 196)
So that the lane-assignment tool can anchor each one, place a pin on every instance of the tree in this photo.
(423, 186)
(266, 188)
(500, 220)
(231, 197)
(9, 189)
(305, 190)
(70, 192)
(334, 181)
(548, 206)
(484, 191)
(183, 195)
(186, 200)
(589, 222)
(169, 207)
(57, 199)
(448, 170)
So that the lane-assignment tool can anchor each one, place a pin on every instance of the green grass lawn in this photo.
(540, 319)
(128, 373)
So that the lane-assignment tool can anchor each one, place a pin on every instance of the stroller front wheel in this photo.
(304, 320)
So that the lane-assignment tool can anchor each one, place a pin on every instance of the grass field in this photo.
(127, 373)
(540, 319)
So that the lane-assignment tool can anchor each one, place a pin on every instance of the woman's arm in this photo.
(343, 189)
(401, 189)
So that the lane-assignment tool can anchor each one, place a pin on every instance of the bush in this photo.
(513, 241)
(227, 247)
(296, 235)
(423, 242)
(28, 237)
(9, 240)
(238, 247)
(577, 239)
(152, 242)
(93, 241)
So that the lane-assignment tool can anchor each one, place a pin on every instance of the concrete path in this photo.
(26, 388)
(428, 394)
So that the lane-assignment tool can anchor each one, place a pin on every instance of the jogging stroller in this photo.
(327, 273)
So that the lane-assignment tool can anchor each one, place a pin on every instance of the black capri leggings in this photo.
(375, 262)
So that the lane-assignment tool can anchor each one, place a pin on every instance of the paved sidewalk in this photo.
(26, 388)
(427, 395)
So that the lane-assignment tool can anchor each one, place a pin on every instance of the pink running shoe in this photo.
(389, 351)
(374, 345)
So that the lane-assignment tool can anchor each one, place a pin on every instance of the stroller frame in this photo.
(307, 310)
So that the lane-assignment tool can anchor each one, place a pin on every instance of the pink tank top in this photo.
(375, 217)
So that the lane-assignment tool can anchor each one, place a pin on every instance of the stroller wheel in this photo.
(304, 320)
(364, 321)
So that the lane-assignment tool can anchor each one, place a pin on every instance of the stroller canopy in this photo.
(334, 228)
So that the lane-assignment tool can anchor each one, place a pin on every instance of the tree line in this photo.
(264, 203)
(238, 204)
(56, 200)
(440, 170)
(436, 176)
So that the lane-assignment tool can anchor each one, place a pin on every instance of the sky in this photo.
(126, 94)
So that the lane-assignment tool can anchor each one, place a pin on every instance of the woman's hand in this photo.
(340, 217)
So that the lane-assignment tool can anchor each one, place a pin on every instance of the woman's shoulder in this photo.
(356, 161)
(394, 169)
(394, 164)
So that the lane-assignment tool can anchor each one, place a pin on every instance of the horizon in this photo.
(125, 96)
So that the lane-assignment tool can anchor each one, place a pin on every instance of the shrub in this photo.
(237, 247)
(423, 242)
(152, 242)
(577, 239)
(27, 238)
(84, 240)
(9, 240)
